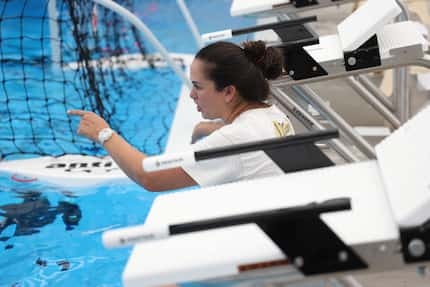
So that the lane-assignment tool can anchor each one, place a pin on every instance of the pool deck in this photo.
(186, 116)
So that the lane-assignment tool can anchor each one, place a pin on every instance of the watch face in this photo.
(104, 135)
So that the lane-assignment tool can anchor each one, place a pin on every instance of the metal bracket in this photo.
(366, 56)
(304, 3)
(300, 65)
(297, 62)
(298, 158)
(309, 243)
(298, 231)
(416, 243)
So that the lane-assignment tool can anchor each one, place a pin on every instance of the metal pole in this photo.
(401, 96)
(287, 81)
(372, 101)
(144, 29)
(309, 122)
(311, 97)
(364, 80)
(346, 281)
(401, 93)
(55, 38)
(190, 22)
(405, 16)
(423, 62)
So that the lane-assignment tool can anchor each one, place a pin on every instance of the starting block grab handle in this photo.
(138, 234)
(165, 161)
(229, 33)
(291, 213)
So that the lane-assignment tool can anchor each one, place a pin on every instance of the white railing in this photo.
(54, 34)
(190, 22)
(133, 19)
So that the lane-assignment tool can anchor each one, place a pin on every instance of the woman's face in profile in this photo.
(210, 102)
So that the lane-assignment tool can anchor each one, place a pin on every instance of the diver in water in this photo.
(35, 212)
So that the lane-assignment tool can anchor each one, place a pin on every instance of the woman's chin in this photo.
(210, 118)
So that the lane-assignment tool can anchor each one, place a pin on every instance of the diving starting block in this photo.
(276, 7)
(365, 42)
(350, 219)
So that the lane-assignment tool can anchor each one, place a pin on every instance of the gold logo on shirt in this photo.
(282, 128)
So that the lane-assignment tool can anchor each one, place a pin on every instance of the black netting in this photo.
(84, 57)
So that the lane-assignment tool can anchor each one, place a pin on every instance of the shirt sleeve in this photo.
(214, 171)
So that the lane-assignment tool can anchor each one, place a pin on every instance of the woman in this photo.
(230, 85)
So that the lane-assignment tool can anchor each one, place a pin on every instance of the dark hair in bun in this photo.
(246, 68)
(268, 59)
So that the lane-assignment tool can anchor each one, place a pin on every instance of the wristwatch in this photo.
(104, 135)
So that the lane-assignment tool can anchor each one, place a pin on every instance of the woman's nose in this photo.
(193, 94)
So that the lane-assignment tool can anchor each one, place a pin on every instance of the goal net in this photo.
(74, 54)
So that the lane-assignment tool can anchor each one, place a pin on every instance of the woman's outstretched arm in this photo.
(130, 159)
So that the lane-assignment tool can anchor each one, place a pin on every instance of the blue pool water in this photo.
(32, 92)
(35, 246)
(51, 236)
(150, 103)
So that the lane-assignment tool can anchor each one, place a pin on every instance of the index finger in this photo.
(76, 112)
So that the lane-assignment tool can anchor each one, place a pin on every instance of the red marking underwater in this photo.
(22, 178)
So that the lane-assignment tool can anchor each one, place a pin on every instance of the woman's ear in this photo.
(230, 93)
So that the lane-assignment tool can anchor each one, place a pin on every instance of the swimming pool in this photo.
(51, 236)
(41, 247)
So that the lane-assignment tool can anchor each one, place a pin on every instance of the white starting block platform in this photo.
(390, 203)
(351, 51)
(262, 8)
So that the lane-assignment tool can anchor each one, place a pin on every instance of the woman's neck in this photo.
(243, 107)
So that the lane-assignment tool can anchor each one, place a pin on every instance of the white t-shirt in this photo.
(249, 126)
